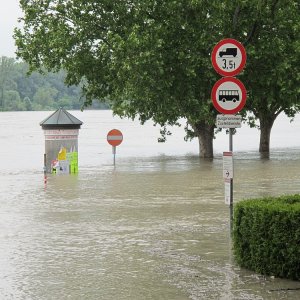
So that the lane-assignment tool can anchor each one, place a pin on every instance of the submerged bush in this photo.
(266, 236)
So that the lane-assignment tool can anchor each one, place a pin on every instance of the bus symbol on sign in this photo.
(229, 95)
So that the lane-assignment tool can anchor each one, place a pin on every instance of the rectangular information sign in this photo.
(227, 191)
(227, 165)
(229, 121)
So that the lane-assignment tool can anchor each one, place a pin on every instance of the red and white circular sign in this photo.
(228, 95)
(114, 137)
(228, 57)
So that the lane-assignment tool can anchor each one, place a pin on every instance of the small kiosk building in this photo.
(61, 131)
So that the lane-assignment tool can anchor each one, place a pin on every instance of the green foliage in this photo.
(13, 100)
(20, 91)
(273, 57)
(151, 59)
(266, 235)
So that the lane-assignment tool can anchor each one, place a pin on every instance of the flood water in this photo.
(155, 226)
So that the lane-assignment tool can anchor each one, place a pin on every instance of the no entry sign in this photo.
(228, 95)
(114, 137)
(228, 57)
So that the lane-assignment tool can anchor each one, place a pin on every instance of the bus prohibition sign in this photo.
(114, 137)
(228, 95)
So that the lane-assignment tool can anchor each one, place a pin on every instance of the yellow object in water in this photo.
(62, 154)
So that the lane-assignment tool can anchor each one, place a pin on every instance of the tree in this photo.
(272, 75)
(27, 103)
(13, 101)
(45, 96)
(19, 91)
(6, 68)
(150, 58)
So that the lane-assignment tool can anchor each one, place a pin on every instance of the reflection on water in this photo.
(153, 227)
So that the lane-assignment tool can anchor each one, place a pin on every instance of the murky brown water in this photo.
(153, 227)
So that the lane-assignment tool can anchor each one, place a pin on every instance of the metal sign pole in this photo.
(231, 183)
(229, 97)
(45, 169)
(114, 153)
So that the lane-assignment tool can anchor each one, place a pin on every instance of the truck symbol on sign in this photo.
(228, 52)
(229, 95)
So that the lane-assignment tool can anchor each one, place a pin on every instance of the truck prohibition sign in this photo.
(228, 57)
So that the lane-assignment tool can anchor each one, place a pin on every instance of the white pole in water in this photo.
(45, 169)
(114, 153)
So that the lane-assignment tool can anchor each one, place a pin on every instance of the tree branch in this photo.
(235, 17)
(252, 32)
(273, 8)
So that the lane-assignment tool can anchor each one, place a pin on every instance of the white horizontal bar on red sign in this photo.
(115, 137)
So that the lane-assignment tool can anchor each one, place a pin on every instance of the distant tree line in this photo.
(22, 92)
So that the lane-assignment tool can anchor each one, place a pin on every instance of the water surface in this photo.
(155, 226)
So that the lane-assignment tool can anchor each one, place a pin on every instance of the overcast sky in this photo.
(9, 13)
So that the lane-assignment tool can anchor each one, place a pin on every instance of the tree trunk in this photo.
(205, 133)
(266, 124)
(2, 98)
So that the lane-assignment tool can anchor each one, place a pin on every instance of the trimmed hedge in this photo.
(266, 235)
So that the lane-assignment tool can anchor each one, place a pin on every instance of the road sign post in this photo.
(114, 138)
(229, 97)
(231, 183)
